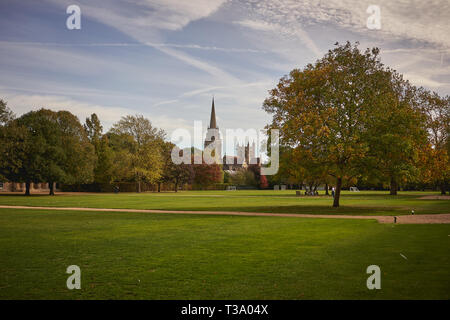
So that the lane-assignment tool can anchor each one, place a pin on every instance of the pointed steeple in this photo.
(212, 122)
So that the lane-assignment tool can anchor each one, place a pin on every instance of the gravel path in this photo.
(406, 219)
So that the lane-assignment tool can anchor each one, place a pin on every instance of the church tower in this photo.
(212, 135)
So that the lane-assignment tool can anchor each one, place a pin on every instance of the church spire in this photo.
(212, 122)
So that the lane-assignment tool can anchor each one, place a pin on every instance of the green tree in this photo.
(325, 109)
(396, 134)
(244, 178)
(181, 173)
(103, 171)
(55, 148)
(13, 148)
(93, 129)
(6, 115)
(6, 144)
(436, 156)
(167, 164)
(79, 153)
(177, 174)
(137, 145)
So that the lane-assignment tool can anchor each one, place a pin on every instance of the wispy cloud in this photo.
(132, 44)
(147, 14)
(291, 30)
(202, 65)
(425, 81)
(141, 20)
(22, 103)
(165, 102)
(425, 21)
(414, 34)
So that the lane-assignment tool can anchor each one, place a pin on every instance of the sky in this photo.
(166, 59)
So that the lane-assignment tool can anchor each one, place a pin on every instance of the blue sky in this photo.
(165, 59)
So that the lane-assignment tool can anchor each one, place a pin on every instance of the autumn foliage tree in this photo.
(326, 109)
(207, 174)
(263, 183)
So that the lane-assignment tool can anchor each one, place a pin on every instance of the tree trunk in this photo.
(176, 185)
(27, 188)
(443, 189)
(159, 186)
(326, 189)
(393, 186)
(139, 187)
(51, 186)
(338, 192)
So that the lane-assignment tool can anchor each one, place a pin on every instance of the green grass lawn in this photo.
(169, 256)
(361, 203)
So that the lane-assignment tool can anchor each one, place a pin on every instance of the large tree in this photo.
(167, 164)
(396, 134)
(56, 149)
(13, 145)
(47, 146)
(178, 174)
(325, 109)
(435, 157)
(79, 153)
(137, 145)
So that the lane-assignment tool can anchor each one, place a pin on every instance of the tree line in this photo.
(54, 147)
(349, 118)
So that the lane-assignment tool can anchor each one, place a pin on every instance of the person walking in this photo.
(332, 192)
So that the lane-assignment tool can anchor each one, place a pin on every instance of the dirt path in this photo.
(409, 219)
(440, 197)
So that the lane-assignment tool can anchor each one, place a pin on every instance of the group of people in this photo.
(315, 193)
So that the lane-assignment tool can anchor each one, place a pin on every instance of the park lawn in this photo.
(169, 256)
(361, 203)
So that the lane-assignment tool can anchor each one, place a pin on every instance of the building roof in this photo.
(212, 122)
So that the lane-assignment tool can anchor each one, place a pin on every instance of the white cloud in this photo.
(413, 36)
(165, 102)
(421, 80)
(129, 44)
(258, 25)
(141, 20)
(144, 14)
(278, 28)
(209, 68)
(425, 21)
(161, 14)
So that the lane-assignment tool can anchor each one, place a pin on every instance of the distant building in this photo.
(245, 154)
(213, 139)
